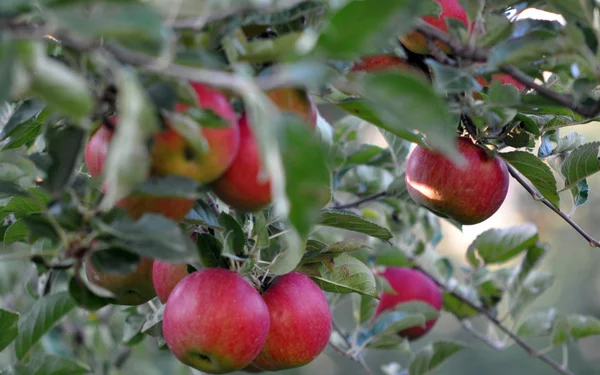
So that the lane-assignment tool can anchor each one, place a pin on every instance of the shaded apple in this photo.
(410, 285)
(172, 153)
(380, 63)
(133, 288)
(469, 195)
(505, 79)
(165, 276)
(96, 150)
(300, 323)
(296, 101)
(417, 42)
(215, 321)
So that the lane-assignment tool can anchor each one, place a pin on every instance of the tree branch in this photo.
(537, 196)
(477, 54)
(528, 348)
(361, 201)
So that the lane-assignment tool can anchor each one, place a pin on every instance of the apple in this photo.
(417, 42)
(296, 101)
(300, 323)
(469, 195)
(378, 63)
(172, 153)
(133, 288)
(410, 285)
(505, 79)
(215, 321)
(165, 277)
(135, 204)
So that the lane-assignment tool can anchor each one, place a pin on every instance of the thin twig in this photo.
(538, 197)
(528, 348)
(361, 201)
(477, 54)
(346, 353)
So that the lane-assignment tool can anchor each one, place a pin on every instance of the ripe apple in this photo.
(417, 42)
(410, 285)
(469, 195)
(172, 153)
(165, 277)
(297, 101)
(136, 204)
(505, 79)
(300, 323)
(378, 63)
(215, 321)
(130, 289)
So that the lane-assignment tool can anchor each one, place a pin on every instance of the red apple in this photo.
(240, 187)
(215, 321)
(378, 63)
(300, 323)
(132, 289)
(165, 277)
(469, 195)
(97, 149)
(297, 101)
(410, 285)
(172, 154)
(417, 42)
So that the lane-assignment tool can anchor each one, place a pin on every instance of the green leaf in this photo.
(8, 327)
(580, 164)
(352, 222)
(364, 307)
(84, 297)
(409, 100)
(538, 323)
(16, 232)
(538, 173)
(501, 245)
(27, 111)
(403, 316)
(124, 20)
(45, 364)
(114, 260)
(132, 328)
(202, 214)
(530, 261)
(580, 193)
(236, 239)
(41, 317)
(536, 283)
(456, 306)
(342, 39)
(65, 146)
(153, 236)
(210, 250)
(333, 250)
(349, 275)
(578, 327)
(431, 356)
(22, 206)
(392, 257)
(128, 161)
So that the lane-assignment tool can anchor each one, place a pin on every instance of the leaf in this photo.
(364, 307)
(580, 193)
(114, 260)
(538, 173)
(536, 283)
(578, 327)
(410, 101)
(8, 327)
(431, 356)
(530, 261)
(26, 205)
(501, 245)
(65, 146)
(202, 214)
(352, 222)
(538, 323)
(132, 328)
(236, 239)
(333, 250)
(43, 315)
(46, 364)
(210, 250)
(456, 306)
(402, 316)
(28, 110)
(84, 297)
(153, 235)
(580, 164)
(16, 232)
(341, 39)
(349, 275)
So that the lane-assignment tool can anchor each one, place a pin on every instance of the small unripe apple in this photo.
(165, 276)
(215, 321)
(172, 153)
(300, 323)
(470, 195)
(417, 42)
(296, 101)
(133, 288)
(410, 286)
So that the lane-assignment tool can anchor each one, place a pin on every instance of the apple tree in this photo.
(187, 181)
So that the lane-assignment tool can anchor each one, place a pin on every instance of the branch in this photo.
(356, 358)
(477, 54)
(537, 196)
(528, 348)
(361, 201)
